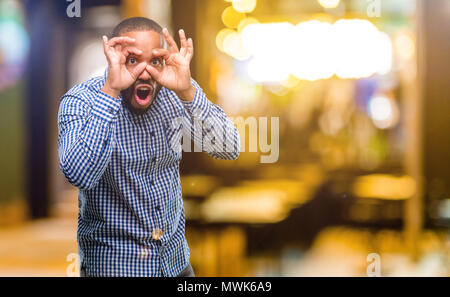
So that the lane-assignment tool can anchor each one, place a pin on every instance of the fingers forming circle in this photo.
(172, 44)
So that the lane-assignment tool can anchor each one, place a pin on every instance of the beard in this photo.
(132, 94)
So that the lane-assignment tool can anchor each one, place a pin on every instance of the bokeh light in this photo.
(312, 51)
(265, 42)
(231, 18)
(245, 22)
(220, 37)
(315, 50)
(384, 186)
(383, 111)
(329, 3)
(404, 45)
(232, 45)
(361, 49)
(14, 43)
(245, 6)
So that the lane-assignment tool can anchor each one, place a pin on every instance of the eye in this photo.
(155, 61)
(132, 61)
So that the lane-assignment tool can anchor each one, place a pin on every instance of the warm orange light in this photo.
(231, 18)
(329, 3)
(384, 186)
(245, 6)
(245, 22)
(220, 37)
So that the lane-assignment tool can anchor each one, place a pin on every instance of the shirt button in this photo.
(152, 133)
(157, 234)
(152, 183)
(158, 208)
(111, 111)
(154, 159)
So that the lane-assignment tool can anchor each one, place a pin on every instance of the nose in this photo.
(145, 75)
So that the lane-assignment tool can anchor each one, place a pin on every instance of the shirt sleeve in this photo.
(212, 131)
(85, 136)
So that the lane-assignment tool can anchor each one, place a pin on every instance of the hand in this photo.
(119, 77)
(176, 74)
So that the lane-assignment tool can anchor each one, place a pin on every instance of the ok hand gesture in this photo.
(119, 77)
(176, 74)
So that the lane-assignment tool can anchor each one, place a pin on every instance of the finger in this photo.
(155, 73)
(105, 44)
(106, 48)
(162, 52)
(121, 40)
(118, 47)
(183, 42)
(190, 49)
(172, 44)
(136, 71)
(131, 50)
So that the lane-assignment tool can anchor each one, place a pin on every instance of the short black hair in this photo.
(136, 24)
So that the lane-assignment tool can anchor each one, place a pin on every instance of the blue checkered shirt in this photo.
(126, 167)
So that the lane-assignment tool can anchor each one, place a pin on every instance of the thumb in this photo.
(135, 72)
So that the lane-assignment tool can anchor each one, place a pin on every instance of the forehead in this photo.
(146, 41)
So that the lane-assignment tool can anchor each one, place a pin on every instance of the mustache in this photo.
(148, 82)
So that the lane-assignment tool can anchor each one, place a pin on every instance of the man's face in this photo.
(140, 95)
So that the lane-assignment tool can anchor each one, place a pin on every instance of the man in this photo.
(116, 144)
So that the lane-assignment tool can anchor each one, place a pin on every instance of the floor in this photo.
(38, 248)
(48, 247)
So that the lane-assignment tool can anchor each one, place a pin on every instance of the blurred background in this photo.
(361, 90)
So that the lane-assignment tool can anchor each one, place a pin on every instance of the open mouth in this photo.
(142, 94)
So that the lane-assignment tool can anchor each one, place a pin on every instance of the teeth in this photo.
(143, 88)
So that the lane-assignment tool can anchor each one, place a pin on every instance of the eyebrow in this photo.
(132, 55)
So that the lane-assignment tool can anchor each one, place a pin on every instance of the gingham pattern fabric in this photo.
(126, 167)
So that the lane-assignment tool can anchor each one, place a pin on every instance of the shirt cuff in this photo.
(199, 107)
(106, 107)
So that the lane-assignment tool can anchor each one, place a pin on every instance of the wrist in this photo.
(110, 91)
(186, 95)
